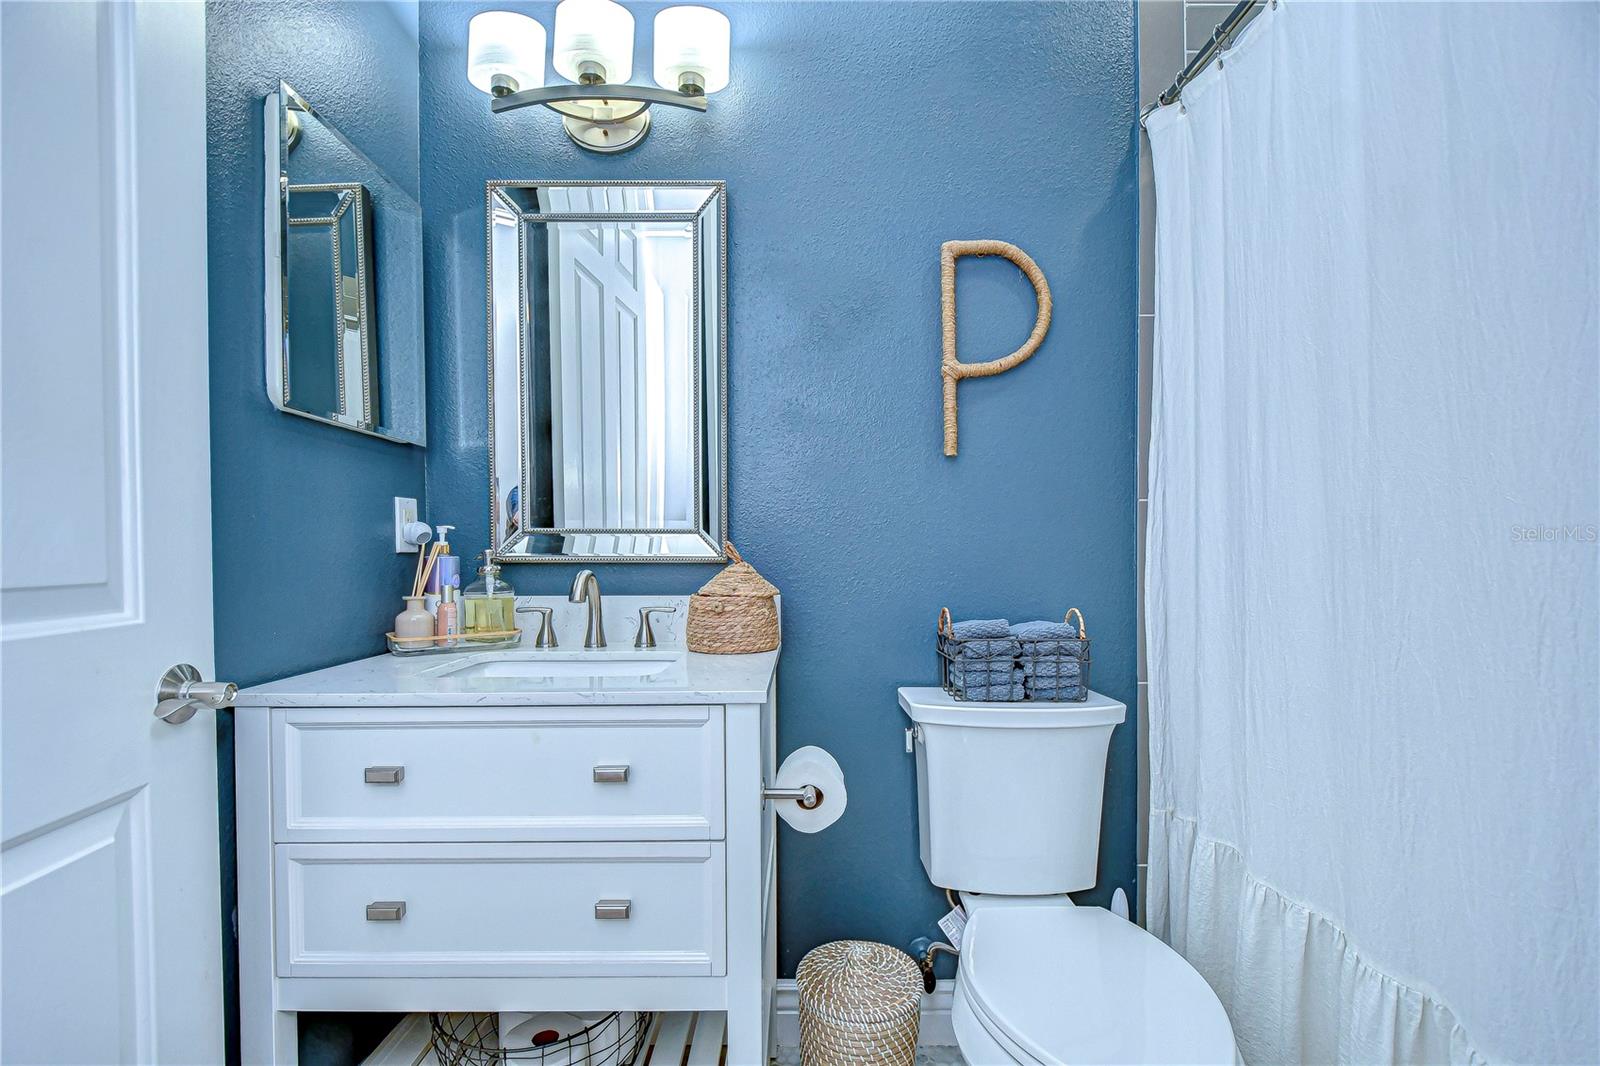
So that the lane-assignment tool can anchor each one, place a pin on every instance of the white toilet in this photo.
(1008, 811)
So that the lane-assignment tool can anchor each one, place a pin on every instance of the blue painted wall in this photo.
(305, 573)
(855, 137)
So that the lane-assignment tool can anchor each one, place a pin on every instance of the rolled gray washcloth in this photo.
(983, 660)
(986, 650)
(1052, 669)
(980, 629)
(1070, 691)
(982, 671)
(1050, 638)
(982, 638)
(988, 681)
(1053, 679)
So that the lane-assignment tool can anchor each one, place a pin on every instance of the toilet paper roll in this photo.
(811, 766)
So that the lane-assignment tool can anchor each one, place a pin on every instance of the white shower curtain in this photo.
(1371, 590)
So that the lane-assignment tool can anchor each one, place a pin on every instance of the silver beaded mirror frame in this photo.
(343, 273)
(607, 347)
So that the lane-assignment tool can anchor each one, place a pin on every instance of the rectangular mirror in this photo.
(608, 371)
(344, 280)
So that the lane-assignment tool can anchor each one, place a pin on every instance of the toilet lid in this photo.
(1067, 984)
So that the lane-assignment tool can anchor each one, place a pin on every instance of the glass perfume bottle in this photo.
(447, 619)
(489, 604)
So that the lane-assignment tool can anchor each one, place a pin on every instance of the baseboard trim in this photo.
(935, 1028)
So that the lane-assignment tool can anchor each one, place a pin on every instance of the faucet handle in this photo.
(646, 637)
(546, 637)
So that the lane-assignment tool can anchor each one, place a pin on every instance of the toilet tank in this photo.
(1008, 794)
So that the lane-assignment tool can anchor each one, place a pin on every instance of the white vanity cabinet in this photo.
(411, 842)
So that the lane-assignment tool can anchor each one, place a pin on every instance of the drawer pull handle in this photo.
(611, 775)
(386, 910)
(385, 775)
(608, 909)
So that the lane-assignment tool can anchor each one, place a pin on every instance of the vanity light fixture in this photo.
(505, 52)
(593, 50)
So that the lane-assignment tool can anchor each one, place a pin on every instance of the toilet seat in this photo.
(1052, 984)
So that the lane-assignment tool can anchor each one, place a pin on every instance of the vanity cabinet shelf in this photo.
(411, 842)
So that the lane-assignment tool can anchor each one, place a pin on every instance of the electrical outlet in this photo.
(405, 512)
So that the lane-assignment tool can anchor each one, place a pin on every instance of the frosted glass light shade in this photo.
(505, 43)
(594, 31)
(691, 40)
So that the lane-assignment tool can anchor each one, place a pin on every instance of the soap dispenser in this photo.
(446, 569)
(491, 606)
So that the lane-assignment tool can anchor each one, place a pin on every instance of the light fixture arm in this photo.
(551, 94)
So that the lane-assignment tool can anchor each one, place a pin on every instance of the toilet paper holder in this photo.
(809, 797)
(803, 776)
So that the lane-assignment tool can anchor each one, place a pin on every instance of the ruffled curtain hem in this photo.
(1295, 987)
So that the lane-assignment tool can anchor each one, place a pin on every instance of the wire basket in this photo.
(615, 1039)
(1037, 668)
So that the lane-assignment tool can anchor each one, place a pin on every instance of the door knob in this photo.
(180, 693)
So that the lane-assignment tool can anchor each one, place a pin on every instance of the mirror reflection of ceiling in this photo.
(602, 199)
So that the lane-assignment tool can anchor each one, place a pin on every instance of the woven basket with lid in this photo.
(735, 613)
(860, 1002)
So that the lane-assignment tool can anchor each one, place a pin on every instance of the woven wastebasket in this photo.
(859, 1003)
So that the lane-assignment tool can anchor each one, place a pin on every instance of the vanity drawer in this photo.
(500, 910)
(497, 773)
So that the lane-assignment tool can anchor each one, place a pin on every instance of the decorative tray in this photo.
(455, 644)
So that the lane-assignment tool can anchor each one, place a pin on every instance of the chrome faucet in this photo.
(586, 589)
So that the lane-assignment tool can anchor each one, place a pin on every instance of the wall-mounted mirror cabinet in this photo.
(608, 371)
(344, 280)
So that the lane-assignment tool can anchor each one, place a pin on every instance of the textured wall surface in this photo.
(1161, 56)
(305, 572)
(855, 138)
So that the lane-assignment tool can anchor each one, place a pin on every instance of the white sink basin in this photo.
(538, 665)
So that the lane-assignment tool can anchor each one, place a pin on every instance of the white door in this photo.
(110, 935)
(621, 372)
(598, 373)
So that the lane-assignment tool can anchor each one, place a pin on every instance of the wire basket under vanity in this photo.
(1047, 668)
(614, 1039)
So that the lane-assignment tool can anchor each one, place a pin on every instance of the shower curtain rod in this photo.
(1230, 25)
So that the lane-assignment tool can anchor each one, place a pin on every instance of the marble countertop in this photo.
(427, 680)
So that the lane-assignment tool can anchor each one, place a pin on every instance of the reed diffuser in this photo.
(413, 627)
